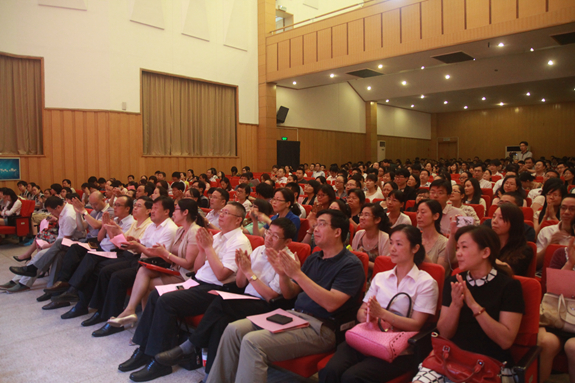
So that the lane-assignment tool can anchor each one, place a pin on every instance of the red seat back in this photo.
(546, 262)
(413, 216)
(533, 265)
(303, 227)
(255, 240)
(487, 191)
(307, 209)
(364, 258)
(527, 213)
(529, 328)
(487, 200)
(479, 209)
(547, 223)
(303, 250)
(27, 208)
(409, 203)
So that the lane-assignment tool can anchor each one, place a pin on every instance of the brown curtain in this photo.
(187, 118)
(20, 106)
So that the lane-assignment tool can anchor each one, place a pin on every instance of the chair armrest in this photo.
(191, 274)
(421, 343)
(526, 361)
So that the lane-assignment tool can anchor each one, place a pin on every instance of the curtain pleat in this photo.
(20, 106)
(187, 118)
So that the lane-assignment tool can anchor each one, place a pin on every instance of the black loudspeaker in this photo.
(288, 153)
(282, 114)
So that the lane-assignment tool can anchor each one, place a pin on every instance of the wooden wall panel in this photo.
(485, 133)
(503, 10)
(272, 58)
(79, 144)
(531, 7)
(410, 23)
(284, 55)
(390, 26)
(405, 148)
(296, 51)
(477, 13)
(340, 40)
(453, 16)
(355, 37)
(324, 40)
(310, 48)
(431, 19)
(373, 32)
(555, 5)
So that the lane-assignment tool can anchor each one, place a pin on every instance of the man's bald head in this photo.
(97, 200)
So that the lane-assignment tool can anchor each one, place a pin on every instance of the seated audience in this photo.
(429, 222)
(456, 200)
(546, 205)
(310, 189)
(440, 191)
(515, 199)
(373, 238)
(282, 203)
(355, 201)
(557, 233)
(395, 203)
(473, 193)
(373, 191)
(218, 201)
(11, 207)
(325, 196)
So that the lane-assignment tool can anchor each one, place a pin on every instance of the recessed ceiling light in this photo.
(404, 83)
(550, 62)
(542, 100)
(483, 98)
(413, 106)
(386, 100)
(332, 75)
(422, 67)
(380, 66)
(531, 49)
(422, 96)
(500, 45)
(294, 83)
(369, 88)
(447, 77)
(445, 102)
(528, 94)
(465, 107)
(501, 104)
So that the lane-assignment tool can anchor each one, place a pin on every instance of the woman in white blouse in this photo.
(395, 202)
(11, 207)
(373, 238)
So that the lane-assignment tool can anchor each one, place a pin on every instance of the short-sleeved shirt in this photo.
(164, 234)
(418, 284)
(292, 217)
(502, 293)
(544, 237)
(124, 224)
(343, 272)
(67, 226)
(97, 215)
(448, 212)
(225, 246)
(213, 218)
(264, 271)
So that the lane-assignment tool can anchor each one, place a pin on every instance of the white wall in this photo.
(301, 11)
(93, 58)
(330, 107)
(399, 122)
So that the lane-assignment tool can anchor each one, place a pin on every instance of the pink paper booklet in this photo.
(105, 254)
(69, 242)
(261, 321)
(176, 286)
(118, 240)
(227, 296)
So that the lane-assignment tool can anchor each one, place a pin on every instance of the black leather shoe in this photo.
(58, 287)
(94, 319)
(75, 312)
(172, 357)
(54, 305)
(25, 271)
(109, 330)
(21, 260)
(152, 371)
(137, 360)
(66, 297)
(44, 297)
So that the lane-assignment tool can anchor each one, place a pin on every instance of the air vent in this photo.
(455, 57)
(564, 38)
(365, 73)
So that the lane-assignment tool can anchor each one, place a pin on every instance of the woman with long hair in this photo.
(373, 238)
(11, 207)
(282, 204)
(473, 193)
(406, 251)
(507, 223)
(457, 199)
(310, 189)
(181, 255)
(325, 196)
(549, 202)
(429, 215)
(510, 184)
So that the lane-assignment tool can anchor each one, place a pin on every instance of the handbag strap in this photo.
(389, 305)
(476, 369)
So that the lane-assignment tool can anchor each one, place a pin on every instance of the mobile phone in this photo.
(464, 221)
(180, 287)
(279, 319)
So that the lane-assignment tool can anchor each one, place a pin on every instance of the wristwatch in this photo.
(253, 278)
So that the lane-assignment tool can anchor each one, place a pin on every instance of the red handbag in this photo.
(460, 365)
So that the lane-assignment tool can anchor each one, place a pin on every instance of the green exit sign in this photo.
(284, 138)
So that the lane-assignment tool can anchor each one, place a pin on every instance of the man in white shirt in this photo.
(281, 177)
(557, 234)
(478, 171)
(494, 167)
(333, 169)
(158, 326)
(524, 153)
(262, 281)
(218, 200)
(440, 191)
(318, 171)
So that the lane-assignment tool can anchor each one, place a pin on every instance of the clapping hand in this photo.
(78, 206)
(290, 265)
(274, 260)
(106, 218)
(204, 239)
(159, 250)
(374, 308)
(244, 262)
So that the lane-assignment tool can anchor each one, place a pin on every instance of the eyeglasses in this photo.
(273, 236)
(227, 212)
(366, 215)
(278, 200)
(118, 205)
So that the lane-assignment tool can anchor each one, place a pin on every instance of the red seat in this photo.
(533, 265)
(492, 210)
(22, 227)
(378, 200)
(206, 210)
(303, 228)
(255, 240)
(413, 216)
(214, 231)
(487, 200)
(548, 223)
(303, 250)
(487, 191)
(528, 201)
(530, 223)
(352, 231)
(527, 213)
(307, 209)
(410, 203)
(479, 209)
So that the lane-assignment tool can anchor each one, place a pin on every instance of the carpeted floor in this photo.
(38, 346)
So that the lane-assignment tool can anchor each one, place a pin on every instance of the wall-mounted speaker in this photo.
(282, 114)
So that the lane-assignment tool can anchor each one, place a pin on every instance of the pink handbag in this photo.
(373, 340)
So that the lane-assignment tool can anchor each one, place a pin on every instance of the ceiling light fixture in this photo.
(501, 104)
(380, 66)
(404, 83)
(422, 96)
(369, 88)
(332, 75)
(550, 62)
(500, 45)
(447, 77)
(412, 105)
(465, 107)
(483, 98)
(528, 94)
(294, 83)
(422, 67)
(386, 100)
(531, 49)
(445, 102)
(542, 100)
